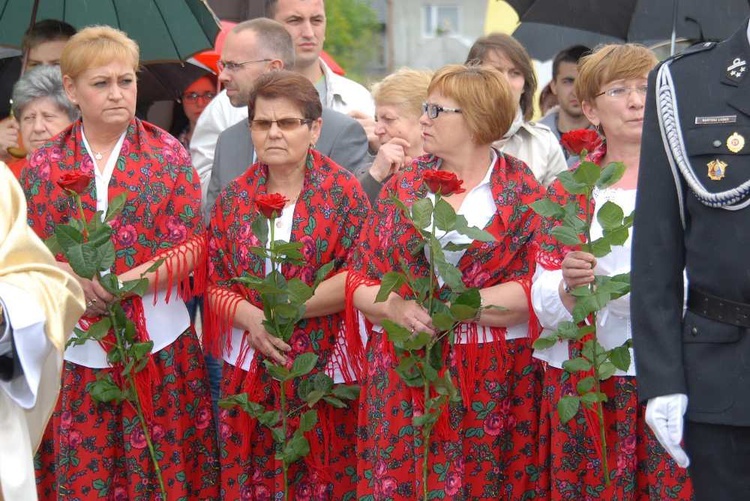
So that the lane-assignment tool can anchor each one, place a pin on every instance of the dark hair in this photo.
(570, 55)
(288, 85)
(517, 55)
(48, 30)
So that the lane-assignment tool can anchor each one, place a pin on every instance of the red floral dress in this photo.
(488, 448)
(92, 450)
(640, 469)
(327, 219)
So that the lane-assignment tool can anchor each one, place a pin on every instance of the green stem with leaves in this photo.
(595, 361)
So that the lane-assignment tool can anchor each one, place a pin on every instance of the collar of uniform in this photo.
(736, 64)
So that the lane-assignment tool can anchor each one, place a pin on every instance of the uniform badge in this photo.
(716, 170)
(736, 70)
(735, 143)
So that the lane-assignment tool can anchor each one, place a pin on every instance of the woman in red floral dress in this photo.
(611, 85)
(486, 449)
(91, 449)
(325, 210)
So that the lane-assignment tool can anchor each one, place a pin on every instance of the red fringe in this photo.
(179, 262)
(144, 380)
(535, 327)
(321, 448)
(355, 347)
(219, 310)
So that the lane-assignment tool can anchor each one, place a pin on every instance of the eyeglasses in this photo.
(623, 92)
(433, 110)
(231, 66)
(285, 124)
(194, 96)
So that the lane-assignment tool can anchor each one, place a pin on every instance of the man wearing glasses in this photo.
(251, 49)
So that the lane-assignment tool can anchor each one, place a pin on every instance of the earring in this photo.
(598, 129)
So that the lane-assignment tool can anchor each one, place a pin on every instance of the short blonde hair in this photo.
(406, 88)
(483, 95)
(609, 63)
(96, 46)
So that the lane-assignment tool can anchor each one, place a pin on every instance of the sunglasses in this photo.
(433, 110)
(285, 124)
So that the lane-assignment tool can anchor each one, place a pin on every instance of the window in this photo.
(440, 20)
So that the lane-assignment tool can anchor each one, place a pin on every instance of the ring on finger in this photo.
(89, 303)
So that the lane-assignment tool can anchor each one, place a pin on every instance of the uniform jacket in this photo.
(688, 353)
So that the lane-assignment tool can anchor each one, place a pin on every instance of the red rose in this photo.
(74, 181)
(445, 183)
(576, 141)
(271, 205)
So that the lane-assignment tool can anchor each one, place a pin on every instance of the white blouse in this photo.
(613, 321)
(165, 321)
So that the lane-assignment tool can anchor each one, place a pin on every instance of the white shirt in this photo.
(613, 321)
(164, 321)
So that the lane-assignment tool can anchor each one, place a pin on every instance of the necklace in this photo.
(100, 154)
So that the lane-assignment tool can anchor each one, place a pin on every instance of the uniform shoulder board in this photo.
(694, 49)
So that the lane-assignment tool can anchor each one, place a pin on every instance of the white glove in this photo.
(664, 415)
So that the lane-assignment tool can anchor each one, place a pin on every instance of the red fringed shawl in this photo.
(161, 218)
(388, 238)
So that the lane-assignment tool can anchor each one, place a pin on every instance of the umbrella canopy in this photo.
(543, 41)
(166, 81)
(166, 30)
(638, 20)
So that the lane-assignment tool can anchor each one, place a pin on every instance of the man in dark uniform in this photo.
(692, 215)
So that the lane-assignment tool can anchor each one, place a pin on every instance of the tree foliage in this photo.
(352, 35)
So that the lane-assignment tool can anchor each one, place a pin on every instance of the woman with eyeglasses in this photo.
(194, 100)
(529, 141)
(611, 85)
(487, 443)
(324, 209)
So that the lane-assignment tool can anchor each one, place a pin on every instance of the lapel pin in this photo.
(716, 169)
(735, 142)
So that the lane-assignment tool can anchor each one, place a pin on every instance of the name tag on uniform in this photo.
(721, 119)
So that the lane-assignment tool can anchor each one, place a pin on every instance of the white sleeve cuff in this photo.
(545, 298)
(26, 319)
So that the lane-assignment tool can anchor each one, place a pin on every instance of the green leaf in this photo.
(569, 330)
(442, 321)
(570, 184)
(346, 392)
(600, 247)
(585, 385)
(137, 287)
(592, 398)
(397, 333)
(418, 341)
(422, 213)
(462, 227)
(268, 419)
(577, 364)
(587, 173)
(450, 275)
(308, 420)
(260, 229)
(52, 244)
(609, 215)
(567, 407)
(115, 207)
(304, 364)
(323, 272)
(99, 329)
(606, 370)
(106, 255)
(409, 373)
(313, 397)
(277, 372)
(620, 357)
(335, 402)
(566, 235)
(610, 174)
(83, 260)
(454, 247)
(391, 282)
(141, 350)
(445, 216)
(463, 312)
(105, 390)
(547, 208)
(617, 236)
(545, 342)
(67, 236)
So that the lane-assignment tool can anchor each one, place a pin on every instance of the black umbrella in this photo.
(639, 20)
(543, 41)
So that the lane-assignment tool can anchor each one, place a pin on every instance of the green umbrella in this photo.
(166, 30)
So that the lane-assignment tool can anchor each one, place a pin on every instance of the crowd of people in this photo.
(276, 120)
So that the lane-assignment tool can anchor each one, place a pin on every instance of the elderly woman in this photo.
(491, 437)
(93, 446)
(398, 106)
(324, 211)
(41, 107)
(611, 85)
(531, 142)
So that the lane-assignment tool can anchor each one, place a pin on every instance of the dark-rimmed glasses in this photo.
(232, 66)
(195, 96)
(433, 110)
(285, 124)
